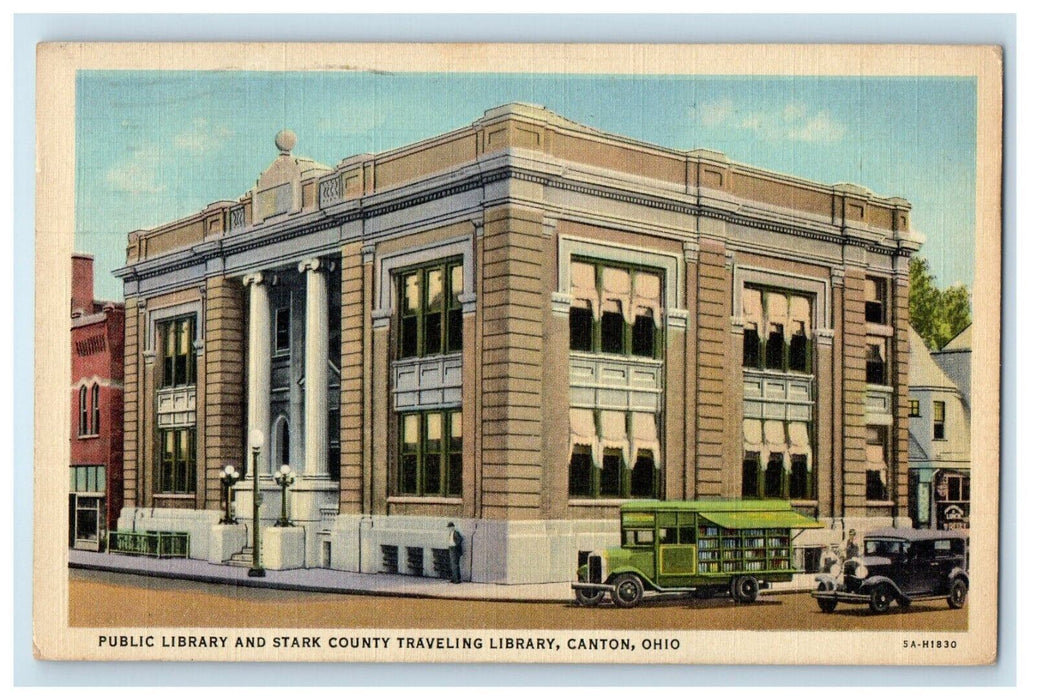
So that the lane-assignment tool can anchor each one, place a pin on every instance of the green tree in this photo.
(936, 314)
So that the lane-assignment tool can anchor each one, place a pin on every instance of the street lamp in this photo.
(228, 477)
(255, 441)
(284, 478)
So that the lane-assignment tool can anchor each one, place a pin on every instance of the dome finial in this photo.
(285, 141)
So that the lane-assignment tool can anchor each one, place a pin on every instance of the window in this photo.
(957, 488)
(613, 454)
(176, 473)
(875, 361)
(282, 330)
(84, 416)
(876, 455)
(914, 408)
(429, 312)
(777, 459)
(875, 300)
(430, 454)
(95, 400)
(776, 331)
(939, 415)
(177, 342)
(615, 309)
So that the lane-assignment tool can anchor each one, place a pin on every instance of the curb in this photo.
(280, 585)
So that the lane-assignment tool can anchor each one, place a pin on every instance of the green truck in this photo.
(704, 547)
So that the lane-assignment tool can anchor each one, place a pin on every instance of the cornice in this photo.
(479, 175)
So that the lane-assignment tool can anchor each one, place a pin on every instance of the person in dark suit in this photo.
(456, 550)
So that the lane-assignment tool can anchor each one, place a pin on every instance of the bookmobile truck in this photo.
(708, 548)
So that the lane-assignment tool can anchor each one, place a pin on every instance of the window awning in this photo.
(762, 519)
(616, 292)
(583, 287)
(646, 437)
(648, 296)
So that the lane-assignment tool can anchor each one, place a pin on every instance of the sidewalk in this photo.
(332, 581)
(320, 580)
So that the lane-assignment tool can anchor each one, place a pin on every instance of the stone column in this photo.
(315, 402)
(259, 353)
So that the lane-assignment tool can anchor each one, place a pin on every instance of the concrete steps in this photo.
(242, 559)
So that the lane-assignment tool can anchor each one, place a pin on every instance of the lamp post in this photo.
(284, 478)
(255, 441)
(228, 478)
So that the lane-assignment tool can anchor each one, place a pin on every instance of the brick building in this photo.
(95, 434)
(515, 326)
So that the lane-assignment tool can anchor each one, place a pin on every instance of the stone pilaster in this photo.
(315, 402)
(259, 353)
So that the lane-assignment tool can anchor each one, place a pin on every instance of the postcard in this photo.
(554, 353)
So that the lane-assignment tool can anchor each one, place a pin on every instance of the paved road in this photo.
(101, 599)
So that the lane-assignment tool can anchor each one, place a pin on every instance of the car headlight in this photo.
(862, 571)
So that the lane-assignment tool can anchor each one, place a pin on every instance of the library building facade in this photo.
(514, 327)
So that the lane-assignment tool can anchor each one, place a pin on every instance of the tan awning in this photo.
(616, 292)
(752, 435)
(645, 437)
(583, 433)
(778, 312)
(752, 307)
(648, 296)
(799, 442)
(800, 315)
(583, 288)
(614, 431)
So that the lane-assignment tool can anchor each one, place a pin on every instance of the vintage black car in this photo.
(902, 566)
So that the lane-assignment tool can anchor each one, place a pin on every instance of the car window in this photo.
(884, 548)
(667, 535)
(633, 538)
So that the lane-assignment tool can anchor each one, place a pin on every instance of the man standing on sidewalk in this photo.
(456, 550)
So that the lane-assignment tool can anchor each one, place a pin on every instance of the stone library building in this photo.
(514, 327)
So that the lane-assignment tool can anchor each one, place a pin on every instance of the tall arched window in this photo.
(95, 399)
(282, 444)
(84, 428)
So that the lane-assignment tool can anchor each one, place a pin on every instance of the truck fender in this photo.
(826, 582)
(645, 580)
(958, 572)
(873, 581)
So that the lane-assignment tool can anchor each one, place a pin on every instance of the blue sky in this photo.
(152, 146)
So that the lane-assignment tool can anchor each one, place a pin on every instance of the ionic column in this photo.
(259, 353)
(315, 404)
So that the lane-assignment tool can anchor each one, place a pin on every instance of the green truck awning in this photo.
(741, 520)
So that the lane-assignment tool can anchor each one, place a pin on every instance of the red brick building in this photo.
(95, 395)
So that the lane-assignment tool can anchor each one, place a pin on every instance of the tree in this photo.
(937, 315)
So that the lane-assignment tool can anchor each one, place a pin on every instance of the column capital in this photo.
(838, 276)
(824, 336)
(252, 278)
(367, 254)
(311, 264)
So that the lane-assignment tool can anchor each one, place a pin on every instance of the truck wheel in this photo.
(589, 598)
(959, 592)
(827, 605)
(628, 591)
(744, 589)
(881, 598)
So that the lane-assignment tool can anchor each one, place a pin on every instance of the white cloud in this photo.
(793, 122)
(202, 138)
(137, 173)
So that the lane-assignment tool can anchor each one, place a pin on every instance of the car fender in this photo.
(873, 581)
(646, 580)
(827, 581)
(958, 572)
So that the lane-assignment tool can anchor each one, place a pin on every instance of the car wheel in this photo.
(881, 598)
(589, 598)
(959, 592)
(827, 605)
(628, 591)
(744, 589)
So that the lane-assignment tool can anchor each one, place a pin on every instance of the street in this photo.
(102, 599)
